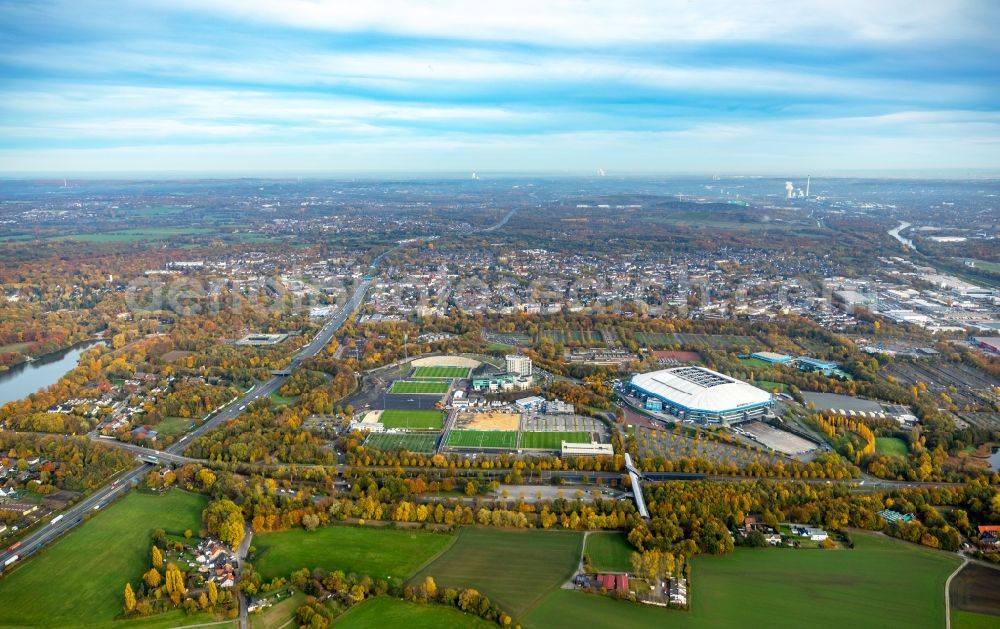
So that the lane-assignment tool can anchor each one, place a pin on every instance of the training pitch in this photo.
(422, 442)
(419, 387)
(482, 439)
(412, 419)
(552, 440)
(440, 372)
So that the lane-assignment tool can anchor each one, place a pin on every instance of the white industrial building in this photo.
(703, 395)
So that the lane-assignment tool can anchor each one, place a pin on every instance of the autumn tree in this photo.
(129, 598)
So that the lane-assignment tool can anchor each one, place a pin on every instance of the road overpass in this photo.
(121, 482)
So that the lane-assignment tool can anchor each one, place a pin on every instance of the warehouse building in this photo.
(703, 395)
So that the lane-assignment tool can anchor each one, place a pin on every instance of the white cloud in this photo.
(599, 23)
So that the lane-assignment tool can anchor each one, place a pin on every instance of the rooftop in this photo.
(701, 389)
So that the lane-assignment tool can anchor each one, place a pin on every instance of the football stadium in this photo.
(702, 395)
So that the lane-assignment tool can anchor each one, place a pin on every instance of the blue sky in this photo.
(665, 86)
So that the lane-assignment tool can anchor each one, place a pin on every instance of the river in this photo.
(26, 378)
(895, 234)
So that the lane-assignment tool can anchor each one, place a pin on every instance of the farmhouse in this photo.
(703, 395)
(989, 536)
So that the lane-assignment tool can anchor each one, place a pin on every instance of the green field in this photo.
(385, 611)
(173, 426)
(138, 234)
(413, 442)
(552, 440)
(609, 552)
(440, 372)
(482, 439)
(412, 419)
(891, 446)
(78, 581)
(516, 569)
(770, 386)
(374, 551)
(971, 620)
(756, 363)
(419, 387)
(875, 585)
(279, 614)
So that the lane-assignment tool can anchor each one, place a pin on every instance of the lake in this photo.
(24, 379)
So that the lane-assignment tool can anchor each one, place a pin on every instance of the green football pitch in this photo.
(552, 440)
(482, 439)
(410, 441)
(412, 419)
(419, 387)
(440, 372)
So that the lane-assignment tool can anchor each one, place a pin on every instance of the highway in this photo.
(121, 482)
(174, 453)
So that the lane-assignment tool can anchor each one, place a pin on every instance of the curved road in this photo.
(123, 480)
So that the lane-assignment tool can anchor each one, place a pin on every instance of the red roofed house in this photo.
(989, 535)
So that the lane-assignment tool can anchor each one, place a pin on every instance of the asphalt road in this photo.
(121, 483)
(174, 453)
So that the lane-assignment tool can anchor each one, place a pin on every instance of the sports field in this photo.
(482, 439)
(385, 611)
(78, 581)
(412, 419)
(374, 551)
(609, 552)
(440, 372)
(872, 586)
(891, 446)
(410, 441)
(552, 440)
(419, 387)
(516, 569)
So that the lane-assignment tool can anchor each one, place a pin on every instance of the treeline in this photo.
(76, 463)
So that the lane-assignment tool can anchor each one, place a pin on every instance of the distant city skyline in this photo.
(265, 86)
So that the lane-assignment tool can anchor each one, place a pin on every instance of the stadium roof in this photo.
(700, 389)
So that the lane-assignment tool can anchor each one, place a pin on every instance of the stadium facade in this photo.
(702, 395)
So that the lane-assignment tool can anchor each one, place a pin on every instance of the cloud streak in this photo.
(639, 86)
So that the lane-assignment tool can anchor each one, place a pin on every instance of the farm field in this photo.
(583, 338)
(440, 372)
(482, 439)
(412, 419)
(976, 590)
(375, 551)
(78, 581)
(140, 233)
(419, 387)
(609, 552)
(552, 440)
(516, 569)
(972, 620)
(891, 446)
(783, 588)
(385, 611)
(413, 442)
